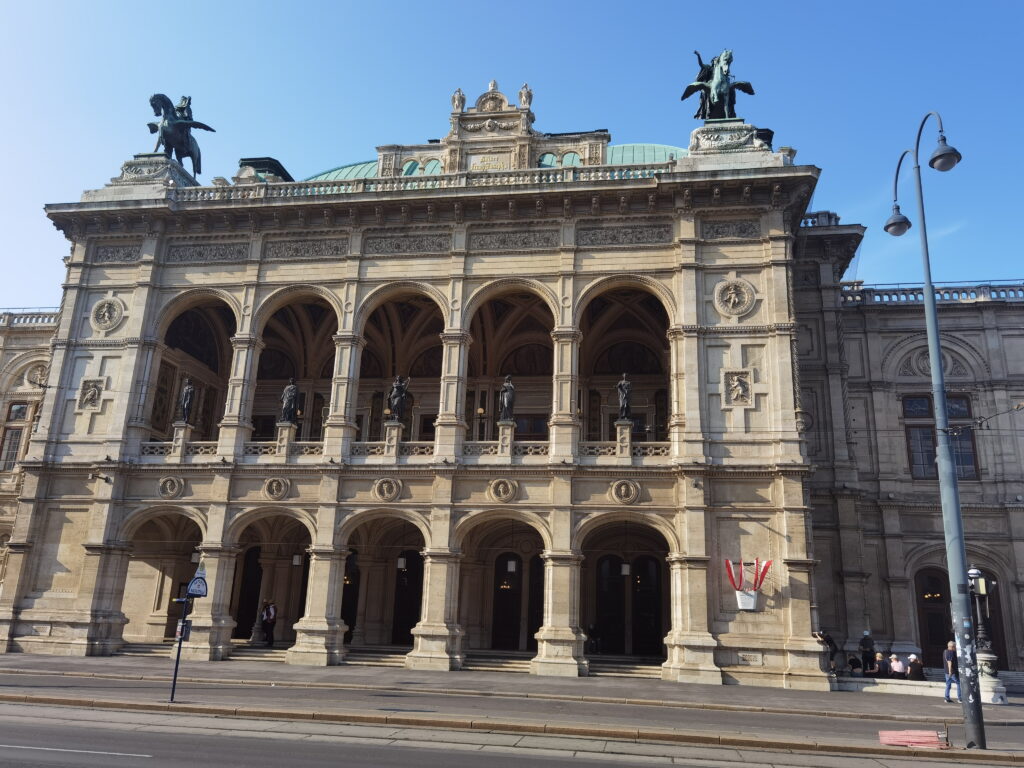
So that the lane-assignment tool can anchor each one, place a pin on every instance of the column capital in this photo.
(441, 554)
(455, 337)
(246, 341)
(567, 334)
(348, 337)
(675, 332)
(218, 550)
(561, 557)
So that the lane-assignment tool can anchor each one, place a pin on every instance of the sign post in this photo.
(196, 588)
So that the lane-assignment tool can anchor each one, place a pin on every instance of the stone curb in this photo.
(495, 725)
(897, 718)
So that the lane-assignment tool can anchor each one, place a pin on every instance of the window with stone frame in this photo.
(14, 429)
(919, 423)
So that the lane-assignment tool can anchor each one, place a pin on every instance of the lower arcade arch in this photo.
(383, 591)
(501, 594)
(159, 567)
(272, 564)
(624, 585)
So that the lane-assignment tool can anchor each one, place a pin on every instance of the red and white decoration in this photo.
(746, 596)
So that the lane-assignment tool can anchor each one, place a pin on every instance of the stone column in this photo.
(559, 640)
(268, 576)
(677, 393)
(691, 648)
(104, 571)
(437, 638)
(450, 429)
(340, 425)
(211, 615)
(564, 423)
(19, 549)
(901, 588)
(236, 426)
(320, 633)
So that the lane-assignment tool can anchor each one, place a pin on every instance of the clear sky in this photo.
(320, 84)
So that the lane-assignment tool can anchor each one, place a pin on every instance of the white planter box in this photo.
(746, 599)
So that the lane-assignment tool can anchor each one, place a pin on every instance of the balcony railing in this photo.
(858, 294)
(29, 316)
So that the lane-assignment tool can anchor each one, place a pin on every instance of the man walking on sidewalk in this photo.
(949, 666)
(268, 616)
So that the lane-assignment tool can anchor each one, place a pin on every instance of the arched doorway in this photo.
(383, 593)
(625, 601)
(501, 603)
(273, 565)
(162, 561)
(934, 620)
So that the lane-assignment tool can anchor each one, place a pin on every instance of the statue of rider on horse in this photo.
(174, 131)
(716, 87)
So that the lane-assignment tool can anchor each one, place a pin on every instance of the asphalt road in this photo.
(32, 735)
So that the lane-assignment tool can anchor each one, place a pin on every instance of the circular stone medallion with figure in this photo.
(276, 488)
(734, 297)
(624, 491)
(171, 487)
(503, 490)
(106, 314)
(387, 489)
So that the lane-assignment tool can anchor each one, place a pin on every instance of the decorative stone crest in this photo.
(635, 235)
(276, 488)
(171, 487)
(90, 394)
(734, 297)
(500, 241)
(624, 491)
(387, 489)
(503, 490)
(744, 229)
(106, 314)
(114, 254)
(191, 253)
(736, 389)
(331, 248)
(731, 136)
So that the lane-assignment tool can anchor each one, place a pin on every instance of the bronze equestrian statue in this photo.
(174, 131)
(717, 89)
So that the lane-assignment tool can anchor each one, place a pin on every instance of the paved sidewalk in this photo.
(621, 708)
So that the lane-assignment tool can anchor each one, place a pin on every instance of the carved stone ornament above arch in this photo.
(918, 363)
(171, 487)
(503, 490)
(276, 488)
(734, 297)
(106, 314)
(908, 358)
(624, 491)
(387, 488)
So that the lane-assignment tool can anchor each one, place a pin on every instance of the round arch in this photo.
(614, 282)
(384, 293)
(138, 517)
(18, 367)
(190, 299)
(473, 520)
(234, 530)
(596, 520)
(281, 297)
(503, 285)
(357, 518)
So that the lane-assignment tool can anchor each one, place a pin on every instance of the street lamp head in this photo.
(973, 573)
(944, 157)
(897, 224)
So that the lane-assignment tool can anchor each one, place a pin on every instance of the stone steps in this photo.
(148, 650)
(604, 666)
(376, 656)
(497, 661)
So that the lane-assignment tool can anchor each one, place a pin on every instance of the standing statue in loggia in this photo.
(507, 400)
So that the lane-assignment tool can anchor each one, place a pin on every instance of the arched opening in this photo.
(402, 339)
(297, 345)
(625, 600)
(501, 602)
(197, 347)
(511, 337)
(273, 564)
(624, 331)
(934, 620)
(162, 561)
(384, 585)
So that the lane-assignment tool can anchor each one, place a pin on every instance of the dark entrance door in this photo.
(408, 596)
(249, 594)
(610, 636)
(933, 618)
(646, 583)
(350, 595)
(507, 601)
(535, 602)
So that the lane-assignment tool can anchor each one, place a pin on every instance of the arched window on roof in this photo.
(547, 160)
(570, 160)
(432, 167)
(410, 168)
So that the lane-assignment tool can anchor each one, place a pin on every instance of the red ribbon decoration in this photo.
(732, 576)
(760, 573)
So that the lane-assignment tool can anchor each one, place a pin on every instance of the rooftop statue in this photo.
(174, 131)
(717, 88)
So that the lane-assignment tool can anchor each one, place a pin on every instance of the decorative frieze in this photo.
(117, 254)
(646, 234)
(739, 229)
(327, 248)
(516, 240)
(195, 253)
(401, 244)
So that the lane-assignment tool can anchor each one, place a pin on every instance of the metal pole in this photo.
(181, 639)
(952, 523)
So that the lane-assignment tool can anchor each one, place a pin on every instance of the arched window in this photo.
(547, 160)
(570, 160)
(432, 167)
(410, 168)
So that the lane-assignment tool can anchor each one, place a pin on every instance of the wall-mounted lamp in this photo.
(511, 566)
(99, 476)
(387, 411)
(480, 411)
(296, 559)
(624, 569)
(400, 563)
(195, 557)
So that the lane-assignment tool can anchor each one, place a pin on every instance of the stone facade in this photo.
(566, 534)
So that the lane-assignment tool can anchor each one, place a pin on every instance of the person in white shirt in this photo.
(268, 616)
(897, 668)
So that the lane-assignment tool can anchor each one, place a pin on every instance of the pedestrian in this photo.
(915, 669)
(949, 666)
(881, 668)
(830, 648)
(897, 669)
(856, 668)
(268, 616)
(867, 649)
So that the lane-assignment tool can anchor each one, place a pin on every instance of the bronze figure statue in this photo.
(289, 403)
(397, 398)
(625, 391)
(188, 393)
(507, 400)
(717, 88)
(174, 131)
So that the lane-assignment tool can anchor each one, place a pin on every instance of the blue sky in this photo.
(319, 84)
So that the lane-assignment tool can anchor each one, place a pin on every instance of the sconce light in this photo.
(296, 559)
(480, 411)
(400, 563)
(387, 411)
(624, 569)
(195, 557)
(511, 566)
(298, 412)
(98, 476)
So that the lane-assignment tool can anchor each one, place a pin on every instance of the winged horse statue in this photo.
(717, 88)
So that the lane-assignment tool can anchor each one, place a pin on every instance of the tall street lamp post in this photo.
(945, 158)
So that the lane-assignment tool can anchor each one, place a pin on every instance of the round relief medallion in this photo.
(503, 490)
(387, 489)
(734, 297)
(171, 487)
(36, 375)
(276, 488)
(624, 491)
(106, 314)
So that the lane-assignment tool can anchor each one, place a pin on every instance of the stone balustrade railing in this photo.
(29, 316)
(858, 294)
(529, 176)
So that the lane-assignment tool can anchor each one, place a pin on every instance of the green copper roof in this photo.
(619, 154)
